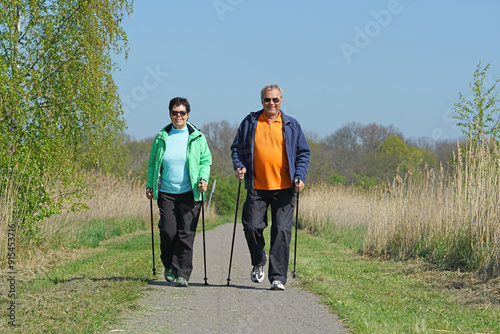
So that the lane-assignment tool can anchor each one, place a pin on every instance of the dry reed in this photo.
(322, 204)
(109, 197)
(450, 219)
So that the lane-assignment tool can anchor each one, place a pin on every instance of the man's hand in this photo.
(149, 193)
(299, 185)
(240, 173)
(202, 185)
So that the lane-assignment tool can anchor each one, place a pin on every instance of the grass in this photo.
(91, 233)
(373, 296)
(86, 295)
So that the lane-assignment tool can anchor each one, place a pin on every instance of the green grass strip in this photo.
(374, 296)
(87, 295)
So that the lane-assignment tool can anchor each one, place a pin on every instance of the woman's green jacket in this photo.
(198, 159)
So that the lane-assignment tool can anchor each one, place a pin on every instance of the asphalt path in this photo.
(241, 307)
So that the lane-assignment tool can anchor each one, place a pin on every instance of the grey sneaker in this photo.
(169, 275)
(277, 285)
(182, 282)
(257, 275)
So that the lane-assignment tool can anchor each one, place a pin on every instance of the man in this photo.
(271, 153)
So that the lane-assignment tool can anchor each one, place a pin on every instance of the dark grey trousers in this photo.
(255, 221)
(179, 215)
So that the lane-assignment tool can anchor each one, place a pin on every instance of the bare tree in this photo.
(371, 136)
(346, 150)
(220, 136)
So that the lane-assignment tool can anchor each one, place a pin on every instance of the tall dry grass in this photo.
(449, 219)
(109, 197)
(322, 204)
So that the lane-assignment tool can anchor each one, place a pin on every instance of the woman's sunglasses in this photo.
(175, 113)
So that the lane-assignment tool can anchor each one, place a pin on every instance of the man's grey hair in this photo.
(270, 87)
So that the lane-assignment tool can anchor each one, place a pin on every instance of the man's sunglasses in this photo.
(275, 100)
(175, 113)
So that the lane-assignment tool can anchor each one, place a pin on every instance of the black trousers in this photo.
(179, 215)
(255, 221)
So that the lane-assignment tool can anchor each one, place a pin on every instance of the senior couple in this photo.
(270, 152)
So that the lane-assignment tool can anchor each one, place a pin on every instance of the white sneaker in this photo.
(277, 285)
(257, 275)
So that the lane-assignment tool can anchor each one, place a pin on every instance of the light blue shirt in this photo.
(175, 175)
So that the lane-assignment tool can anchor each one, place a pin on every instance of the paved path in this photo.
(241, 307)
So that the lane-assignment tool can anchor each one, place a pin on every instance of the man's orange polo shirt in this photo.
(270, 164)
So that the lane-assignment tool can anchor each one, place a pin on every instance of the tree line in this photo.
(355, 154)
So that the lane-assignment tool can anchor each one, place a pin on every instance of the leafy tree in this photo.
(226, 192)
(440, 150)
(337, 179)
(393, 154)
(479, 115)
(382, 163)
(321, 165)
(59, 106)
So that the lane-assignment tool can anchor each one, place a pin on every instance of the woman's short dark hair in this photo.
(179, 101)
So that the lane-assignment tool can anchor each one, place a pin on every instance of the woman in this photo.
(178, 171)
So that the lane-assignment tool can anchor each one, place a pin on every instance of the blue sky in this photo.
(399, 62)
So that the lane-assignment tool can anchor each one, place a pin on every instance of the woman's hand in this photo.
(149, 193)
(202, 185)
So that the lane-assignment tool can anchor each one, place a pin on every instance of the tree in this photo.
(393, 154)
(59, 106)
(372, 135)
(479, 115)
(321, 164)
(220, 136)
(346, 150)
(350, 145)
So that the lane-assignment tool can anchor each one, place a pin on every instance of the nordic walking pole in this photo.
(234, 232)
(203, 225)
(152, 236)
(296, 224)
